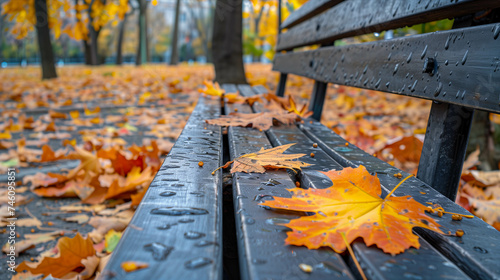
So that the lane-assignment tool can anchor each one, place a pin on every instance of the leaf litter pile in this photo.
(87, 145)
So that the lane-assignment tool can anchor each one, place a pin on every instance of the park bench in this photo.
(195, 225)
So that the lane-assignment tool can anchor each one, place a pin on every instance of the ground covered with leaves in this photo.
(86, 146)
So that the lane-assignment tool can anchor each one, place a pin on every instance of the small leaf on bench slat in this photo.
(266, 159)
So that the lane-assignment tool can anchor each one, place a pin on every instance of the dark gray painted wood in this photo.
(260, 89)
(280, 91)
(444, 147)
(263, 254)
(376, 264)
(318, 99)
(357, 17)
(463, 66)
(476, 253)
(307, 11)
(196, 191)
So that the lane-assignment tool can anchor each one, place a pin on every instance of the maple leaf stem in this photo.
(224, 166)
(463, 215)
(353, 256)
(400, 183)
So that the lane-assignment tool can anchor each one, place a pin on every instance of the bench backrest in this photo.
(459, 68)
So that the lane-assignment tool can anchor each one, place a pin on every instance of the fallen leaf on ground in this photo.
(30, 240)
(262, 121)
(111, 239)
(270, 158)
(71, 253)
(80, 219)
(352, 205)
(489, 210)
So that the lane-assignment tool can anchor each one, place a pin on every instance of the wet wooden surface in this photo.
(177, 229)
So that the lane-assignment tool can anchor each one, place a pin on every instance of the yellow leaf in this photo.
(5, 135)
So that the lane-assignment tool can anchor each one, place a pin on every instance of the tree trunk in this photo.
(174, 57)
(86, 50)
(147, 35)
(141, 48)
(227, 45)
(44, 44)
(119, 43)
(92, 43)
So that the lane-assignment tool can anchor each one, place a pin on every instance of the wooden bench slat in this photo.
(375, 262)
(358, 17)
(466, 67)
(179, 188)
(261, 247)
(307, 11)
(476, 252)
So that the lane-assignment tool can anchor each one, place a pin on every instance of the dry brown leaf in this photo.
(80, 219)
(270, 158)
(30, 240)
(262, 121)
(104, 224)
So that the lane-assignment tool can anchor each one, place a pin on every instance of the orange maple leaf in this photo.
(406, 149)
(134, 179)
(262, 121)
(72, 251)
(49, 155)
(269, 158)
(353, 206)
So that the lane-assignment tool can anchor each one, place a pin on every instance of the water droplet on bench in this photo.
(271, 182)
(179, 211)
(480, 250)
(197, 263)
(204, 243)
(410, 275)
(464, 59)
(277, 221)
(186, 220)
(165, 226)
(193, 235)
(167, 193)
(496, 31)
(160, 251)
(408, 60)
(249, 221)
(258, 261)
(260, 197)
(424, 52)
(447, 44)
(198, 193)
